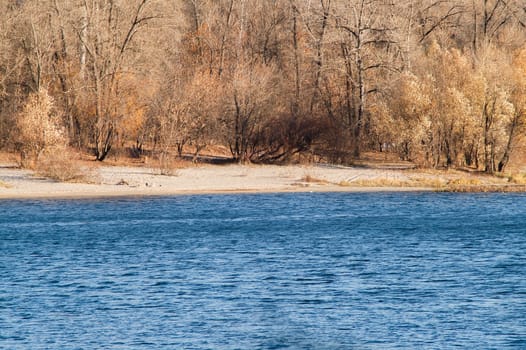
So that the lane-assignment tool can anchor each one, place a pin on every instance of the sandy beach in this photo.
(112, 181)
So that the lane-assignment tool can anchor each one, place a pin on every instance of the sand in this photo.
(115, 181)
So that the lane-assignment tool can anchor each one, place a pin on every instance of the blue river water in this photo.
(270, 271)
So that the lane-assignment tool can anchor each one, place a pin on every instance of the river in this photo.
(269, 271)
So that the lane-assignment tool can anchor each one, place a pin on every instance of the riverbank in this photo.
(118, 181)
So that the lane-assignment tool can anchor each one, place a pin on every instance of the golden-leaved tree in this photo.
(410, 107)
(514, 125)
(38, 128)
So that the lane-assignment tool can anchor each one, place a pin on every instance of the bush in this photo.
(167, 165)
(60, 165)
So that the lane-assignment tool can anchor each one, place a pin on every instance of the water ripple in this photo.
(284, 271)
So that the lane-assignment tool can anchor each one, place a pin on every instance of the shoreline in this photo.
(129, 181)
(151, 194)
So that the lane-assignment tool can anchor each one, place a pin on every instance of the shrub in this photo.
(167, 165)
(60, 165)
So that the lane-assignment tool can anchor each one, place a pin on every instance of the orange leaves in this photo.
(131, 105)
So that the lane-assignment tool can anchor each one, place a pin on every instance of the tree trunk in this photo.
(104, 141)
(509, 145)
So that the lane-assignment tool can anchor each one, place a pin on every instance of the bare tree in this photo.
(109, 37)
(247, 106)
(365, 36)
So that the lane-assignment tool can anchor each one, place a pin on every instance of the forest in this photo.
(440, 83)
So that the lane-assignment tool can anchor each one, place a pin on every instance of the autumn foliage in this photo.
(38, 129)
(440, 83)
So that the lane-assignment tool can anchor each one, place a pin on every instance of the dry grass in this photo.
(515, 183)
(168, 166)
(62, 166)
(465, 181)
(382, 182)
(311, 179)
(394, 182)
(486, 188)
(518, 179)
(4, 184)
(431, 182)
